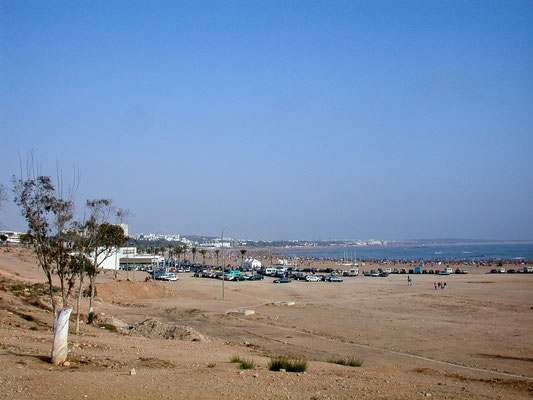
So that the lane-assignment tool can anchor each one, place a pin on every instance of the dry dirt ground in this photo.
(472, 340)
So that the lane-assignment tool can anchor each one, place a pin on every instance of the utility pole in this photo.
(223, 263)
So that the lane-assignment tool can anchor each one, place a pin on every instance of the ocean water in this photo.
(514, 252)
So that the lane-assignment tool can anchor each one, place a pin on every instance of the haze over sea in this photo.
(511, 251)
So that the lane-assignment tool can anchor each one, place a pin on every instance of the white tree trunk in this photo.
(60, 346)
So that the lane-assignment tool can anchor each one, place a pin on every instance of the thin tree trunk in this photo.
(78, 305)
(91, 298)
(51, 291)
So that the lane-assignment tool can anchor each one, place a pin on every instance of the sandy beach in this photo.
(471, 340)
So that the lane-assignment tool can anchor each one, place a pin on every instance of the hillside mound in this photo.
(158, 330)
(127, 291)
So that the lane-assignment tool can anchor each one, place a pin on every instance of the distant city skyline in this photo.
(278, 120)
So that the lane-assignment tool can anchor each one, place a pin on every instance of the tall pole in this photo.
(223, 263)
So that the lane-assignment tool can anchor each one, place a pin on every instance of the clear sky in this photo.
(279, 119)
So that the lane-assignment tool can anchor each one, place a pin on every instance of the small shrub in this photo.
(17, 288)
(247, 364)
(110, 327)
(244, 363)
(33, 328)
(288, 364)
(211, 365)
(87, 292)
(347, 362)
(92, 317)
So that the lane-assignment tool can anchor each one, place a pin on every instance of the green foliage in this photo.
(347, 362)
(211, 365)
(92, 317)
(27, 289)
(288, 364)
(244, 363)
(87, 291)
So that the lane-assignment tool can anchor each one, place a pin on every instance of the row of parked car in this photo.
(228, 276)
(310, 278)
(501, 270)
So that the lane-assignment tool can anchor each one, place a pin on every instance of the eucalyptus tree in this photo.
(100, 238)
(48, 215)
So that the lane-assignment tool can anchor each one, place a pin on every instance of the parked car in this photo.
(257, 277)
(511, 271)
(384, 274)
(374, 273)
(312, 278)
(167, 277)
(493, 271)
(283, 280)
(335, 279)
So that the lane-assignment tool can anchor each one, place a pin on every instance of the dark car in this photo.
(335, 279)
(493, 271)
(283, 280)
(511, 271)
(257, 277)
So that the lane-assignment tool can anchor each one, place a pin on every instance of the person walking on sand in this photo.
(435, 283)
(409, 280)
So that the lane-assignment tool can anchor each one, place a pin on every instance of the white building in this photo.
(126, 256)
(252, 263)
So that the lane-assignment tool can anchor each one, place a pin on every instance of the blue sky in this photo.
(279, 119)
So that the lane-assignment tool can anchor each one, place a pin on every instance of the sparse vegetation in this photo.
(87, 292)
(247, 363)
(33, 328)
(211, 365)
(288, 364)
(110, 327)
(27, 289)
(347, 362)
(92, 317)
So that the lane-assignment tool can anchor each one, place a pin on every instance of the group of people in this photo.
(440, 285)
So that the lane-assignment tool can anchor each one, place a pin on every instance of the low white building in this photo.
(252, 263)
(126, 256)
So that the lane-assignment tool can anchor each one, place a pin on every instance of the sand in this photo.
(471, 340)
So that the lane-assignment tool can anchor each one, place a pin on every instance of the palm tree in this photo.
(217, 252)
(203, 252)
(243, 252)
(178, 251)
(194, 250)
(185, 248)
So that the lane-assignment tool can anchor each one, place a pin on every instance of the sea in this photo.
(467, 252)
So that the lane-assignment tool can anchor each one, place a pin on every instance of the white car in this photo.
(168, 277)
(312, 278)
